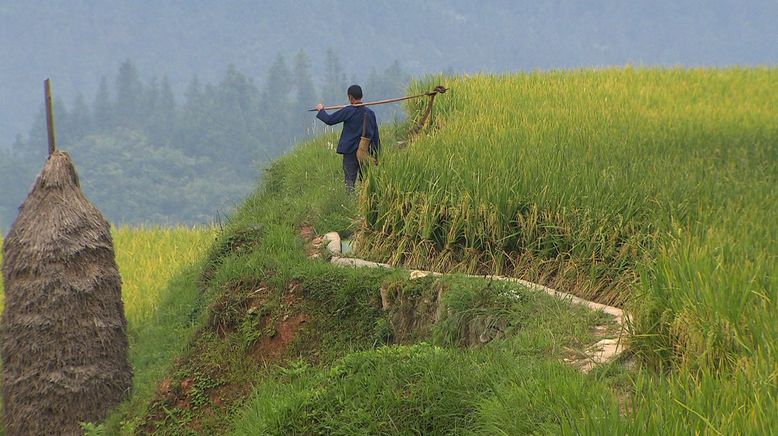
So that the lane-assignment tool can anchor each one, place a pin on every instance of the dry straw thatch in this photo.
(63, 330)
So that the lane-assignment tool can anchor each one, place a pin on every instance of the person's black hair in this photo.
(355, 91)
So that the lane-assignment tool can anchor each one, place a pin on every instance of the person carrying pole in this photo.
(360, 128)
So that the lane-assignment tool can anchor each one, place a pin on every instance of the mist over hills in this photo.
(77, 42)
(170, 109)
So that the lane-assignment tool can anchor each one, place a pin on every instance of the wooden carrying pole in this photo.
(438, 90)
(50, 117)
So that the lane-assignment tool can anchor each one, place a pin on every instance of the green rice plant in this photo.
(657, 184)
(743, 402)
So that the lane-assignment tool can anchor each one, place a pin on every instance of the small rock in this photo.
(384, 298)
(333, 242)
(416, 274)
(606, 350)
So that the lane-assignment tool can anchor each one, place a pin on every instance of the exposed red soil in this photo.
(312, 242)
(307, 232)
(271, 347)
(293, 294)
(278, 330)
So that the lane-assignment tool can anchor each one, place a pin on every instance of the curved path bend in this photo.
(607, 349)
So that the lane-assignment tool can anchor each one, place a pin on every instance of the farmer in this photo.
(353, 118)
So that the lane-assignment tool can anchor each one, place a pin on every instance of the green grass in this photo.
(422, 389)
(247, 279)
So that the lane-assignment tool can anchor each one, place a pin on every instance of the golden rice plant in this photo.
(147, 258)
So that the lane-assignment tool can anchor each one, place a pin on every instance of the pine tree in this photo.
(149, 100)
(63, 123)
(305, 96)
(191, 122)
(37, 137)
(166, 111)
(80, 118)
(373, 83)
(129, 92)
(395, 81)
(276, 105)
(334, 86)
(237, 123)
(102, 112)
(193, 90)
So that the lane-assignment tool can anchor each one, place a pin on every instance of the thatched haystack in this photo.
(63, 330)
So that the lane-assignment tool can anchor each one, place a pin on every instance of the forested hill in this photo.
(207, 91)
(149, 155)
(76, 42)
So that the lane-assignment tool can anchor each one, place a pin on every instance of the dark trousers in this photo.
(351, 170)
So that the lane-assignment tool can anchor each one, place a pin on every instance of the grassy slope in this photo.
(339, 382)
(257, 277)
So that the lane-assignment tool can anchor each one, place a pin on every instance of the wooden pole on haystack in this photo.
(50, 116)
(63, 332)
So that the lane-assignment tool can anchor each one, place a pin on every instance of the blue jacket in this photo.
(351, 117)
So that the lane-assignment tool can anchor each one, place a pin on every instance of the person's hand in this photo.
(319, 107)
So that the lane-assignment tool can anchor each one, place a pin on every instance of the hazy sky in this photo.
(75, 42)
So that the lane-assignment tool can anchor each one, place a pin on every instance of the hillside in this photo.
(615, 184)
(606, 183)
(649, 188)
(280, 326)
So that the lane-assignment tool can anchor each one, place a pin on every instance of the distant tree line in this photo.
(146, 155)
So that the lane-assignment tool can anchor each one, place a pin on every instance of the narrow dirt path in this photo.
(610, 342)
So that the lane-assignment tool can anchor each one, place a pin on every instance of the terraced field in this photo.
(653, 189)
(610, 184)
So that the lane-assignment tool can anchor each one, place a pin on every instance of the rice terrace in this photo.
(582, 247)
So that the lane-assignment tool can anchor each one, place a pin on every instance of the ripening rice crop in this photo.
(147, 258)
(660, 184)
